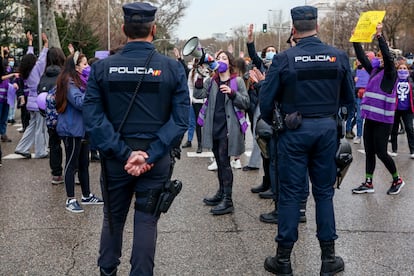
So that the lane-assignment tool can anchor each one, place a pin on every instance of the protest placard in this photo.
(366, 26)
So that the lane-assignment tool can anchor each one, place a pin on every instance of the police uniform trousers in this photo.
(122, 188)
(310, 148)
(271, 165)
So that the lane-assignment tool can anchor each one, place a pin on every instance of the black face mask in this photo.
(359, 67)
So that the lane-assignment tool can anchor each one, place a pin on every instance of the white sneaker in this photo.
(212, 166)
(393, 154)
(412, 156)
(357, 140)
(236, 164)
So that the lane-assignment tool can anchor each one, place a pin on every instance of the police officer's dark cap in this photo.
(304, 13)
(139, 12)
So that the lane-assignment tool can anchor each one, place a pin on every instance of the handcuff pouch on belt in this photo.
(293, 120)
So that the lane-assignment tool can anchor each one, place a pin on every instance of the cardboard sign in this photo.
(366, 26)
(101, 54)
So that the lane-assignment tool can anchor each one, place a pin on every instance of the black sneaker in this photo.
(364, 188)
(92, 199)
(73, 206)
(26, 155)
(396, 187)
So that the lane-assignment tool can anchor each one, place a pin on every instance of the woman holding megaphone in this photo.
(222, 117)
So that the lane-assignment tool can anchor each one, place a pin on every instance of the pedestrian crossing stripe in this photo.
(210, 154)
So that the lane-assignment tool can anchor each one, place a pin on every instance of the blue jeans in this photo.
(191, 125)
(355, 118)
(359, 120)
(4, 114)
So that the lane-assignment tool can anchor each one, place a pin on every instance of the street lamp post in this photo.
(109, 25)
(272, 26)
(280, 30)
(334, 26)
(39, 19)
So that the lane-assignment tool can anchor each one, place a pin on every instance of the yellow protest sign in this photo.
(366, 26)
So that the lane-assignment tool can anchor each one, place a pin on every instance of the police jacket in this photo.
(159, 114)
(312, 78)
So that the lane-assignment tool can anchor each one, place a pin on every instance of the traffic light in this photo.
(265, 28)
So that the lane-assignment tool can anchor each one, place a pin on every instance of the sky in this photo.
(204, 17)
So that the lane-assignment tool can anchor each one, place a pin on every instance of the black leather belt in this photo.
(138, 144)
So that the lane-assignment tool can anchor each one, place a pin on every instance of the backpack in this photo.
(46, 84)
(51, 113)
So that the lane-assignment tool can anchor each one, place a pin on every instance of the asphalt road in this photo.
(38, 237)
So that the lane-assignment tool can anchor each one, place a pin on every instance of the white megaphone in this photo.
(193, 48)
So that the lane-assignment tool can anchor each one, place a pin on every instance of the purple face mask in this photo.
(86, 71)
(222, 67)
(403, 74)
(375, 62)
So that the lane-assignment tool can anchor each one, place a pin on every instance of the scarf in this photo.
(84, 81)
(239, 113)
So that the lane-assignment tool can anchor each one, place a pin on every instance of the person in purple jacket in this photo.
(36, 131)
(377, 108)
(7, 94)
(405, 109)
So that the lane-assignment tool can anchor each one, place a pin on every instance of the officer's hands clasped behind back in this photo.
(137, 163)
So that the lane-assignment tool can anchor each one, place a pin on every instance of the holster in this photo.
(278, 124)
(159, 201)
(171, 190)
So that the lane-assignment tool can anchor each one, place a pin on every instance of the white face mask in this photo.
(270, 55)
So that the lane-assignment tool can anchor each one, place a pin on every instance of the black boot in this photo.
(199, 149)
(262, 187)
(224, 207)
(280, 264)
(186, 145)
(270, 217)
(214, 200)
(331, 264)
(302, 217)
(268, 194)
(95, 156)
(104, 272)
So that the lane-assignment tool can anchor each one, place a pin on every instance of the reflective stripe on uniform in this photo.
(377, 110)
(389, 99)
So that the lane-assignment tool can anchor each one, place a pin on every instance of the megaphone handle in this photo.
(203, 56)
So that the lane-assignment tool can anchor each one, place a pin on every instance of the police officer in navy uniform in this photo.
(136, 157)
(310, 81)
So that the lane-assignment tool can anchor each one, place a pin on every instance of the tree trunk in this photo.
(49, 23)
